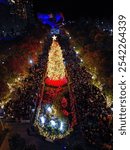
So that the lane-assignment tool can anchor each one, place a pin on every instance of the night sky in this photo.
(76, 8)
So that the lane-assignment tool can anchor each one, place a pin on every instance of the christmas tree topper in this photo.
(54, 37)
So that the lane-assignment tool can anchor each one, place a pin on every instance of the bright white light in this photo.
(2, 106)
(19, 78)
(54, 37)
(33, 110)
(13, 1)
(30, 61)
(70, 37)
(61, 126)
(49, 109)
(68, 33)
(42, 119)
(81, 60)
(74, 47)
(77, 52)
(94, 77)
(52, 122)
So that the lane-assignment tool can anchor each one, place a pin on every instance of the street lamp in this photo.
(31, 61)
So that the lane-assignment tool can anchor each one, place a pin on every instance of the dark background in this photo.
(76, 8)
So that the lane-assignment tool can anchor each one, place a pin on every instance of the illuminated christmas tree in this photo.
(56, 75)
(55, 116)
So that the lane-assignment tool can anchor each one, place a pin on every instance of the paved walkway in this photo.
(39, 142)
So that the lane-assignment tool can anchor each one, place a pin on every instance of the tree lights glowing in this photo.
(61, 126)
(49, 109)
(55, 68)
(42, 119)
(50, 125)
(51, 119)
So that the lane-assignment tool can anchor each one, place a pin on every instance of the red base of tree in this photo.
(56, 83)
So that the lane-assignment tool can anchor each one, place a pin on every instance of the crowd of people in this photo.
(27, 95)
(93, 116)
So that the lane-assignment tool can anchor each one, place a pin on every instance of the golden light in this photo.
(77, 52)
(2, 106)
(19, 78)
(55, 67)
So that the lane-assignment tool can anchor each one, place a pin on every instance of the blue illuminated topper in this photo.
(51, 19)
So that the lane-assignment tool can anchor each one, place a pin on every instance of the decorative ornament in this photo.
(54, 37)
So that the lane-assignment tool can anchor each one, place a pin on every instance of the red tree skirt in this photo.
(56, 83)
